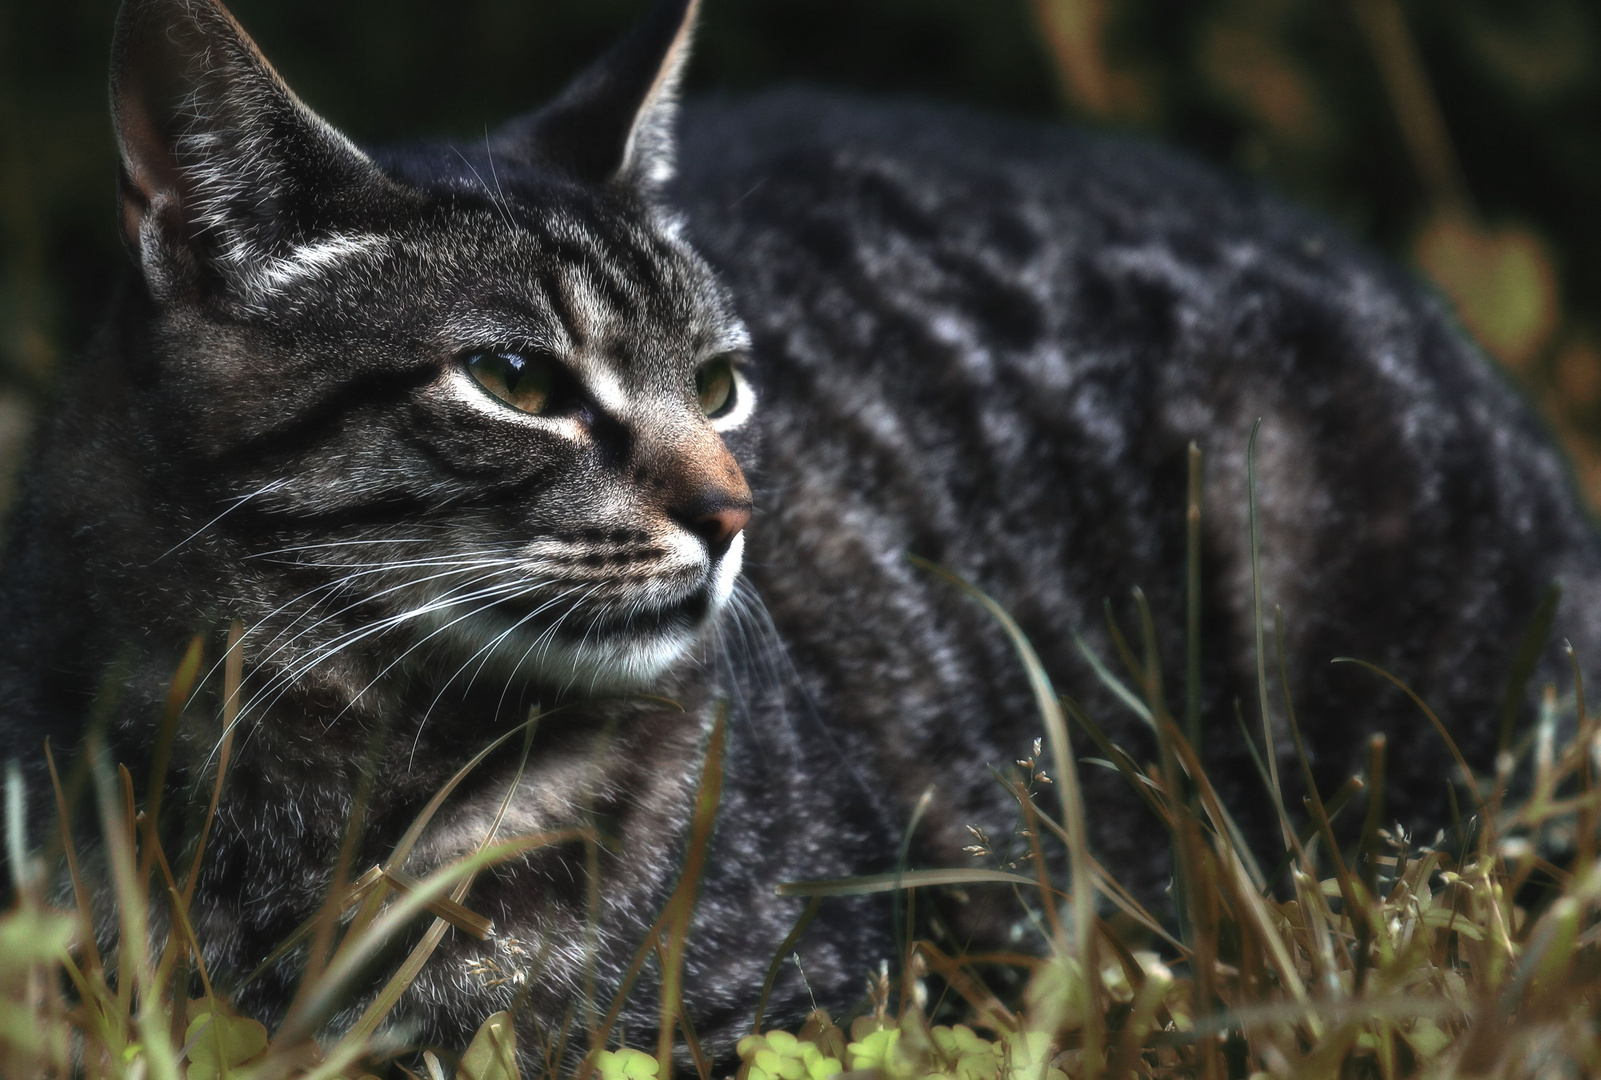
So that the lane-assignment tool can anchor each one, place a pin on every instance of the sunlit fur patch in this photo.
(313, 259)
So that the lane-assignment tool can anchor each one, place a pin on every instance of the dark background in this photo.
(1461, 135)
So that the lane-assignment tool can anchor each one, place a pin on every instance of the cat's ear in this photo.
(614, 123)
(225, 174)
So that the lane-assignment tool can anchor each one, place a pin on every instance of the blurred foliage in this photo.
(1463, 135)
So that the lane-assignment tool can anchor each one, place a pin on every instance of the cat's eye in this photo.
(714, 386)
(522, 381)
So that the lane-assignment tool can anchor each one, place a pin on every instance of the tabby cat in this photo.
(625, 405)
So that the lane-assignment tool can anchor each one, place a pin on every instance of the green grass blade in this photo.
(326, 992)
(1272, 755)
(403, 977)
(1067, 787)
(1524, 661)
(910, 879)
(1192, 603)
(780, 956)
(898, 915)
(1113, 683)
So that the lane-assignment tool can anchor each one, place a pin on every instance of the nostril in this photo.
(719, 527)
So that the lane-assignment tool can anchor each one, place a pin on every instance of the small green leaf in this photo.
(626, 1064)
(220, 1043)
(493, 1053)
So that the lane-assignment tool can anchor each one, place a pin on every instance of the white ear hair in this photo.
(650, 154)
(614, 124)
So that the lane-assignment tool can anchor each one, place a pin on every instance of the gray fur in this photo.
(984, 342)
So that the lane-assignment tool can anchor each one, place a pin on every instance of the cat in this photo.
(628, 410)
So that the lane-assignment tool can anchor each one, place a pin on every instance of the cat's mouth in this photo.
(621, 621)
(602, 633)
(620, 642)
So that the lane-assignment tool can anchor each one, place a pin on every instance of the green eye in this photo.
(714, 386)
(523, 382)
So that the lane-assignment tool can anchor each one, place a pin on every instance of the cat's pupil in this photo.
(523, 382)
(714, 387)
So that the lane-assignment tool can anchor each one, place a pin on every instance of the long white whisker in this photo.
(282, 681)
(270, 486)
(331, 587)
(486, 651)
(527, 588)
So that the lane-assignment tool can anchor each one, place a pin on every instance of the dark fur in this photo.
(984, 342)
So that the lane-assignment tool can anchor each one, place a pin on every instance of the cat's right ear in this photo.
(614, 124)
(224, 172)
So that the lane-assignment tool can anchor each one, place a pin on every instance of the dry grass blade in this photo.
(232, 678)
(80, 890)
(1050, 711)
(330, 987)
(1450, 743)
(1404, 962)
(1524, 663)
(449, 910)
(182, 686)
(1192, 601)
(1270, 747)
(368, 890)
(988, 1010)
(681, 906)
(782, 954)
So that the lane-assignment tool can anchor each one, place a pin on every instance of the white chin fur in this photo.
(728, 573)
(618, 664)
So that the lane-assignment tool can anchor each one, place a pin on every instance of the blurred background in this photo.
(1461, 136)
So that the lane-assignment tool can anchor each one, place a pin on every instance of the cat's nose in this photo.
(710, 497)
(717, 524)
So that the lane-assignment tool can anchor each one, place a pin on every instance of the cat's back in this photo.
(990, 342)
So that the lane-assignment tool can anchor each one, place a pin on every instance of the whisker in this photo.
(486, 651)
(267, 488)
(332, 587)
(283, 681)
(335, 586)
(529, 587)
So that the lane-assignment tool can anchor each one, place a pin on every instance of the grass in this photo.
(1386, 957)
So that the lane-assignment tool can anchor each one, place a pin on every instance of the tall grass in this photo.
(1469, 953)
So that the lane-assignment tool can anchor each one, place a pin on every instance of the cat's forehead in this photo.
(586, 281)
(568, 273)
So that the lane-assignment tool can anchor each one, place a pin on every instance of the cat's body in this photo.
(981, 342)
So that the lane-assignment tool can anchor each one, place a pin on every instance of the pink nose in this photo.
(718, 527)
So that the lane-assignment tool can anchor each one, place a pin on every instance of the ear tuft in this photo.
(614, 124)
(223, 169)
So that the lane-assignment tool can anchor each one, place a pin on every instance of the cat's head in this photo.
(483, 399)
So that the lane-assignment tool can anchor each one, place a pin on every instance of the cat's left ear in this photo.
(226, 176)
(614, 124)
